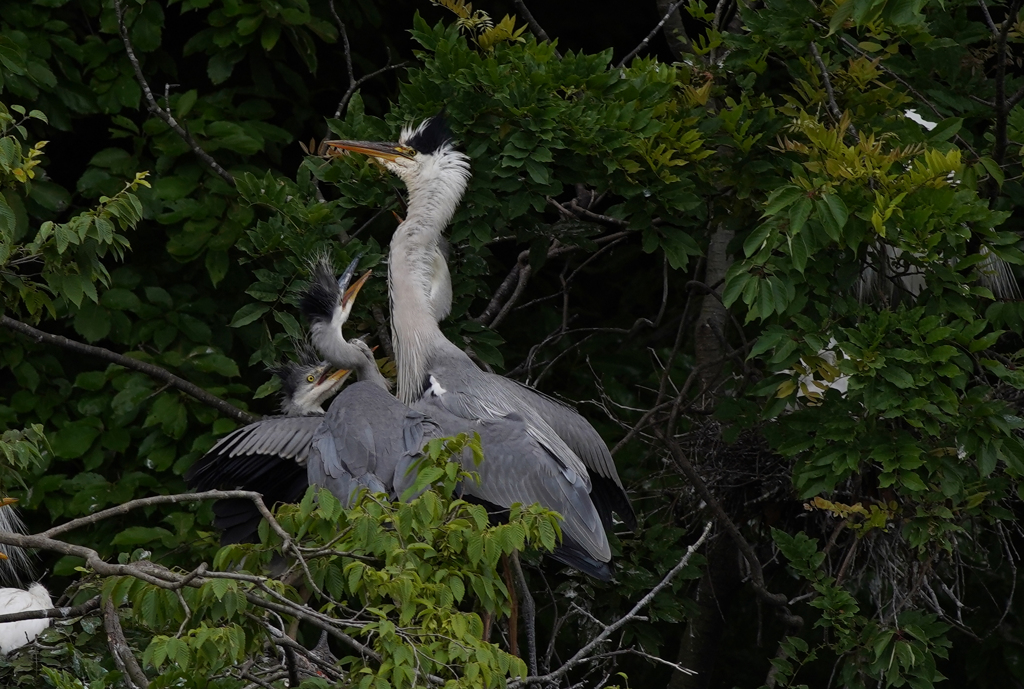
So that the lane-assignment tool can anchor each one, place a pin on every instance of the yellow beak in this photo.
(376, 149)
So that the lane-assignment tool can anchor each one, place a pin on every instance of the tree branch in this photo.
(155, 108)
(124, 658)
(675, 33)
(151, 370)
(1002, 105)
(53, 613)
(127, 507)
(353, 83)
(654, 32)
(757, 574)
(917, 94)
(833, 107)
(534, 25)
(582, 655)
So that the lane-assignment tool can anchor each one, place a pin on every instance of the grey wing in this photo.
(518, 468)
(243, 451)
(362, 443)
(486, 397)
(583, 439)
(266, 457)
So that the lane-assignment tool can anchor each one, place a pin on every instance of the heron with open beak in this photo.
(535, 448)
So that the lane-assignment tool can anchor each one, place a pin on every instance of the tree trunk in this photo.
(701, 640)
(711, 326)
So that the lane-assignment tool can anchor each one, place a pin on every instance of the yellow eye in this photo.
(405, 150)
(310, 379)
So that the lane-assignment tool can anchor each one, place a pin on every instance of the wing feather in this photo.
(518, 468)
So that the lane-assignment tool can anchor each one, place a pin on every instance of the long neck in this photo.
(367, 371)
(435, 189)
(413, 324)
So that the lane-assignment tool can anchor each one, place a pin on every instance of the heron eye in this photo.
(310, 379)
(406, 150)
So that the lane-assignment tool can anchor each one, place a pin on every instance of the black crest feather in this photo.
(430, 137)
(319, 300)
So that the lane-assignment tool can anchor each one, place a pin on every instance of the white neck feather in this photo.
(435, 186)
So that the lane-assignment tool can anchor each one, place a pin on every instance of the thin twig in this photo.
(353, 83)
(151, 370)
(833, 107)
(582, 655)
(654, 32)
(155, 108)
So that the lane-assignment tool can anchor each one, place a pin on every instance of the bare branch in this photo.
(535, 27)
(155, 108)
(125, 660)
(494, 305)
(529, 610)
(127, 507)
(988, 19)
(353, 83)
(756, 573)
(654, 32)
(1002, 105)
(833, 107)
(53, 613)
(583, 655)
(675, 33)
(151, 370)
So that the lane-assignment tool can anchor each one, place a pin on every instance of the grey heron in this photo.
(372, 439)
(361, 440)
(268, 456)
(540, 450)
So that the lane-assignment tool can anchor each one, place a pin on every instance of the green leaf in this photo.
(142, 535)
(247, 314)
(75, 438)
(993, 169)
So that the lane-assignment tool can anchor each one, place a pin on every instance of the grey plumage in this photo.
(367, 439)
(526, 437)
(267, 456)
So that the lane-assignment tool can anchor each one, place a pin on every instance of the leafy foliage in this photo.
(862, 248)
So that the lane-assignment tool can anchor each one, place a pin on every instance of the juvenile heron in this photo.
(549, 453)
(268, 456)
(365, 434)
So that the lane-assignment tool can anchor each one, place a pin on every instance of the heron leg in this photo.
(529, 613)
(513, 617)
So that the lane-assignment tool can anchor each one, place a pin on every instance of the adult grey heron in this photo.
(554, 455)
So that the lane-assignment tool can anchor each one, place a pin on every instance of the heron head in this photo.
(327, 301)
(307, 384)
(421, 153)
